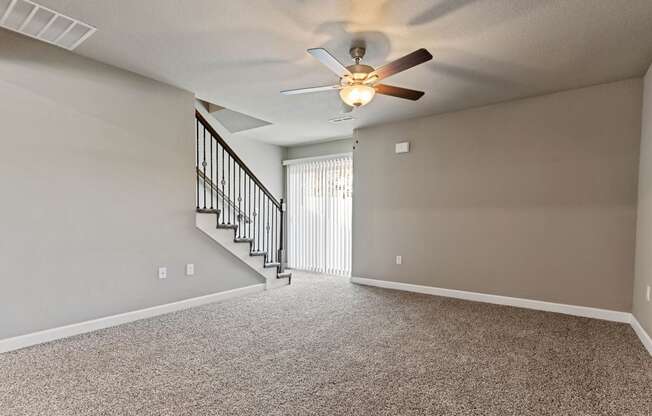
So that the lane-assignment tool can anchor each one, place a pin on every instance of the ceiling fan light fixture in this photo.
(357, 95)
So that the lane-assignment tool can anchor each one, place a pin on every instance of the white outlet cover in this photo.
(190, 269)
(162, 272)
(399, 259)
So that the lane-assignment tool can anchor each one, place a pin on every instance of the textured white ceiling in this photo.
(241, 53)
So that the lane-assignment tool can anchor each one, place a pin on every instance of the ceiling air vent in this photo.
(42, 23)
(341, 119)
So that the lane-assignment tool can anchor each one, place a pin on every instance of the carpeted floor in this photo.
(326, 347)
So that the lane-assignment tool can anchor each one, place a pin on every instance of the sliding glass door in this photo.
(319, 205)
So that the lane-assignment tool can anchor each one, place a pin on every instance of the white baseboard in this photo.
(22, 341)
(644, 336)
(584, 311)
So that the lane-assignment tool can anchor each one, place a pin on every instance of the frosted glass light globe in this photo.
(357, 95)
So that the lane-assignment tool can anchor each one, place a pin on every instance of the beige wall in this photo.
(97, 185)
(643, 308)
(533, 198)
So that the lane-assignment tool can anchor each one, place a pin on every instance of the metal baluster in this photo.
(197, 162)
(280, 245)
(212, 178)
(239, 201)
(272, 242)
(273, 228)
(259, 219)
(249, 205)
(228, 187)
(217, 174)
(257, 223)
(232, 197)
(204, 165)
(222, 214)
(270, 251)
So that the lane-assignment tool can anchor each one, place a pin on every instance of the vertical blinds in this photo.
(319, 208)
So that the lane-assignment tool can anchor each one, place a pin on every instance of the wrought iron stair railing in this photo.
(228, 188)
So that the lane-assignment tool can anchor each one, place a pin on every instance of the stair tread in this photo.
(227, 226)
(208, 211)
(283, 275)
(258, 253)
(272, 264)
(243, 240)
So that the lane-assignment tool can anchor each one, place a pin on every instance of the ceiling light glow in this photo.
(357, 95)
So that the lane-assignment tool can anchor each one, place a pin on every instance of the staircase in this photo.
(235, 209)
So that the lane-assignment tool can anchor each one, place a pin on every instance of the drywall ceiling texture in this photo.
(240, 54)
(643, 307)
(96, 172)
(534, 198)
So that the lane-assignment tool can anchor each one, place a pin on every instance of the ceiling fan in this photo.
(359, 83)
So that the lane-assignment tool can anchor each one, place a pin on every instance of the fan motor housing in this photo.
(359, 71)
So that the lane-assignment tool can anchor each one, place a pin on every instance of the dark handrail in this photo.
(235, 157)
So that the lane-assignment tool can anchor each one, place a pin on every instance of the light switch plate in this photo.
(399, 259)
(162, 272)
(190, 269)
(647, 295)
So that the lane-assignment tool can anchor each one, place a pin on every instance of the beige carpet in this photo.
(326, 347)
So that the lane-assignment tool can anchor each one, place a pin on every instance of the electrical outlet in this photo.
(162, 272)
(190, 269)
(647, 295)
(399, 259)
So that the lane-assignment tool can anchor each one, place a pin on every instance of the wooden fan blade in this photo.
(311, 89)
(401, 64)
(398, 92)
(323, 56)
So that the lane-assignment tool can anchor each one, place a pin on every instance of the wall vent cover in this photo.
(42, 23)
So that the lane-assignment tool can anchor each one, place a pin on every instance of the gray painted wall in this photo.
(643, 308)
(96, 172)
(533, 198)
(320, 149)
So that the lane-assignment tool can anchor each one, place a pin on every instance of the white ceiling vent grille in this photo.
(39, 22)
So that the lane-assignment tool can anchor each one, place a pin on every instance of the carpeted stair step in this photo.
(284, 275)
(243, 240)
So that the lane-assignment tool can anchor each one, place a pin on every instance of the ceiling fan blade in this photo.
(323, 56)
(401, 64)
(398, 92)
(311, 89)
